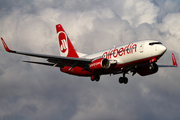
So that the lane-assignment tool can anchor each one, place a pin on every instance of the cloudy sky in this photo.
(33, 92)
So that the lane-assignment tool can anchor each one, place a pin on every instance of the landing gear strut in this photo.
(95, 78)
(123, 79)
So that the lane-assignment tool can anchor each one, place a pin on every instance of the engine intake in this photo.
(98, 64)
(148, 69)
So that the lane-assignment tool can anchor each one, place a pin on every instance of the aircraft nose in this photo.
(163, 49)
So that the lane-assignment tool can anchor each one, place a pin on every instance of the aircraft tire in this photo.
(125, 80)
(97, 78)
(121, 80)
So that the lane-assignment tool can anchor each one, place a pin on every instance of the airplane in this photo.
(136, 57)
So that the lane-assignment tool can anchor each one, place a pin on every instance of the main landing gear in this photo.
(123, 79)
(95, 78)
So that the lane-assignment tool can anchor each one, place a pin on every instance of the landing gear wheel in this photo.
(95, 78)
(92, 78)
(123, 80)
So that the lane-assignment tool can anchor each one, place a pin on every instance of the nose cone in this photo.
(163, 49)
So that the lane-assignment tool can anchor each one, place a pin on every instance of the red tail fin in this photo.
(66, 47)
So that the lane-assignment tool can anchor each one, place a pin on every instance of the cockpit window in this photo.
(153, 43)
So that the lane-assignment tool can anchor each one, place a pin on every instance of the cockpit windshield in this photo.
(153, 43)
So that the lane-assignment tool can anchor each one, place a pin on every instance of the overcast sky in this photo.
(34, 92)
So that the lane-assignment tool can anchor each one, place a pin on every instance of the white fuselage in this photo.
(131, 52)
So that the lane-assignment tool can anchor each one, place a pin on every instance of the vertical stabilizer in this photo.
(66, 47)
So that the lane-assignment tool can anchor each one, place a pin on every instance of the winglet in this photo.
(174, 60)
(5, 46)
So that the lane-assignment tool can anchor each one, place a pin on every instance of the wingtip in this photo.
(174, 60)
(5, 45)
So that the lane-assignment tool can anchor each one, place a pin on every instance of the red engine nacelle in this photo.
(148, 69)
(98, 64)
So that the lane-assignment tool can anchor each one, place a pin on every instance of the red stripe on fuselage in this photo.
(137, 62)
(78, 70)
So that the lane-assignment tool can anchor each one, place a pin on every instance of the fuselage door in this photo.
(141, 48)
(155, 48)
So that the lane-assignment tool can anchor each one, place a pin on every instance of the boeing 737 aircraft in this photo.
(137, 57)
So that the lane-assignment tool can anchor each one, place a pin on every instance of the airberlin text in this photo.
(120, 52)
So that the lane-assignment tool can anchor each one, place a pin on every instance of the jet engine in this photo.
(148, 69)
(98, 64)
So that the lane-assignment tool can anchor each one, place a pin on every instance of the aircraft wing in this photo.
(133, 69)
(55, 61)
(174, 63)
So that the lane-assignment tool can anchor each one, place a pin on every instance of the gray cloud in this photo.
(39, 92)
